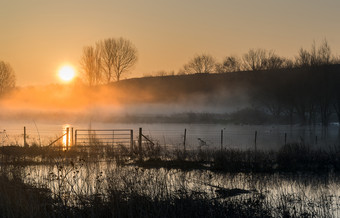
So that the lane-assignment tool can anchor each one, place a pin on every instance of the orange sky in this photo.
(38, 36)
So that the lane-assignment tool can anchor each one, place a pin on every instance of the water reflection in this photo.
(67, 136)
(74, 181)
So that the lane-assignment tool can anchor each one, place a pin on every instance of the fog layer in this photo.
(137, 97)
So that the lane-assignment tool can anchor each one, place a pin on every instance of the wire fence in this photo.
(241, 139)
(192, 136)
(16, 136)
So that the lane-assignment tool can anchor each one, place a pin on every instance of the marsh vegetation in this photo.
(116, 181)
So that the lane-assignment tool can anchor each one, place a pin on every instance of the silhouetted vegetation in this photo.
(199, 64)
(91, 66)
(7, 77)
(291, 157)
(229, 64)
(203, 183)
(107, 61)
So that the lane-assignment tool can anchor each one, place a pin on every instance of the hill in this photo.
(178, 87)
(298, 95)
(305, 95)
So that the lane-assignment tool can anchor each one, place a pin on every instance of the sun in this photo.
(66, 73)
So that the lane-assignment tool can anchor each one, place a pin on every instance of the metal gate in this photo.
(91, 137)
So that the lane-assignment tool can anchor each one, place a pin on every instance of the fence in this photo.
(87, 137)
(175, 136)
(244, 137)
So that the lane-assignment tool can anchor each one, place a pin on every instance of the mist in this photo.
(115, 102)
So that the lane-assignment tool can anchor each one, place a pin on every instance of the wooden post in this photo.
(67, 137)
(71, 136)
(75, 138)
(285, 138)
(113, 137)
(25, 143)
(221, 139)
(140, 141)
(185, 138)
(131, 140)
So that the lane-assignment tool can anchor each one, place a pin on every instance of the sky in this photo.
(37, 37)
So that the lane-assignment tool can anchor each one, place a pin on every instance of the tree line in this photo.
(305, 95)
(261, 59)
(303, 90)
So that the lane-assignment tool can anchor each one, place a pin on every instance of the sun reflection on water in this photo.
(67, 138)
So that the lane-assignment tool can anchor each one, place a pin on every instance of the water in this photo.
(71, 181)
(302, 192)
(268, 137)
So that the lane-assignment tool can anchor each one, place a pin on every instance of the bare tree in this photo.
(7, 77)
(325, 53)
(230, 64)
(274, 62)
(303, 58)
(261, 59)
(118, 56)
(336, 60)
(90, 63)
(200, 64)
(107, 54)
(316, 56)
(255, 59)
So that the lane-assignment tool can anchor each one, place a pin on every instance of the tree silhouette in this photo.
(255, 59)
(316, 56)
(117, 56)
(230, 64)
(200, 64)
(7, 78)
(261, 59)
(90, 63)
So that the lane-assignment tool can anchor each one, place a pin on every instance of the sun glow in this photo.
(66, 73)
(67, 137)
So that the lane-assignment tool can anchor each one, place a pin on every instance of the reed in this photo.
(47, 182)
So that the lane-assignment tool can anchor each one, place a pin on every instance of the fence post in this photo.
(71, 137)
(113, 137)
(75, 138)
(140, 142)
(185, 138)
(131, 140)
(285, 138)
(67, 137)
(25, 143)
(221, 139)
